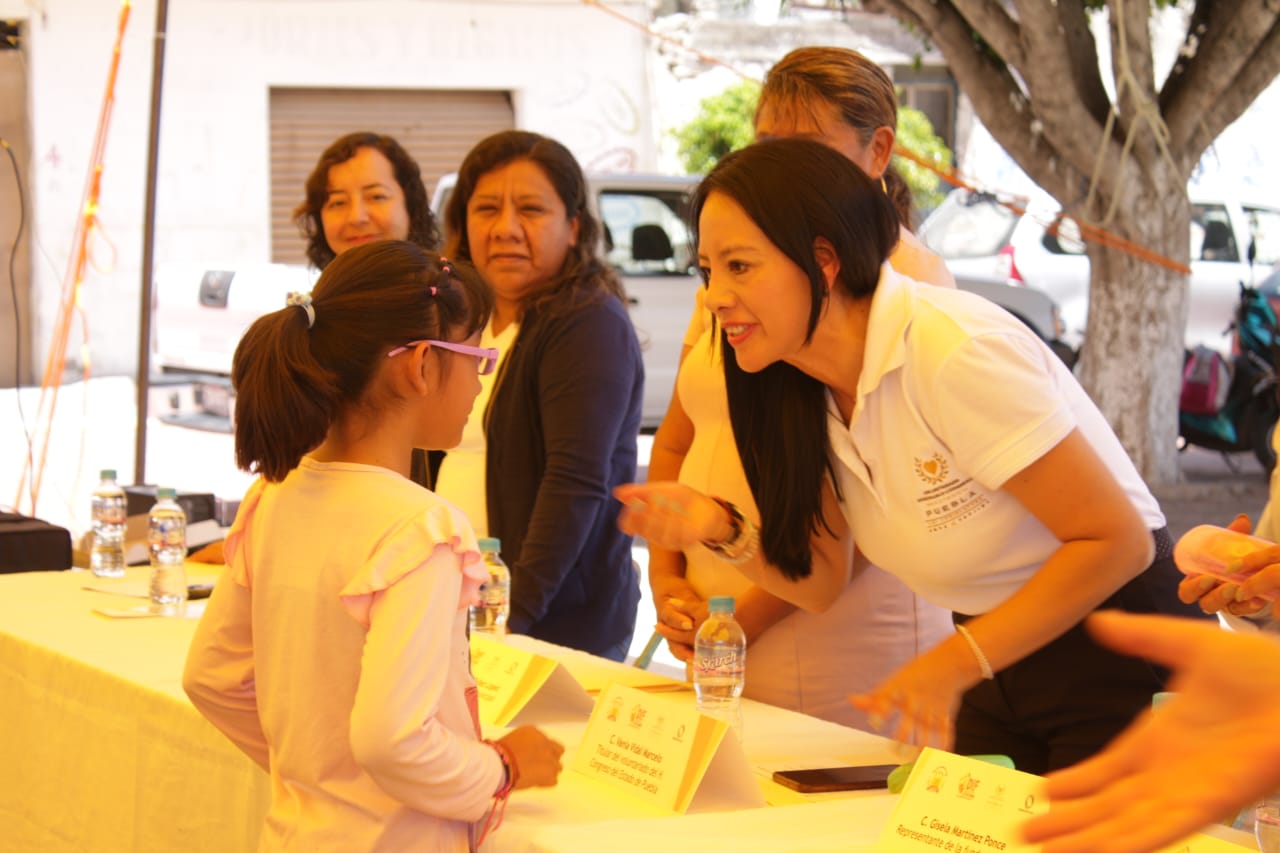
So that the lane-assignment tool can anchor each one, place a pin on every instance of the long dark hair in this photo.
(292, 380)
(796, 191)
(422, 223)
(585, 276)
(859, 89)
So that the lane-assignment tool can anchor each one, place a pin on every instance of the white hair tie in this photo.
(303, 301)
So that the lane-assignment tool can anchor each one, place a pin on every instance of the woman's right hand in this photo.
(536, 757)
(671, 515)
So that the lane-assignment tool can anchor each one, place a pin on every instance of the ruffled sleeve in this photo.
(237, 538)
(408, 546)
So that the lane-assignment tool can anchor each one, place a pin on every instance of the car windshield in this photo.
(971, 225)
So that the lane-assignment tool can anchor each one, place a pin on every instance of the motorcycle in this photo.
(1244, 418)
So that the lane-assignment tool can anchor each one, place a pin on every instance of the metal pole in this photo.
(148, 247)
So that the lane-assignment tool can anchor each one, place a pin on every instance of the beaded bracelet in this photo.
(743, 541)
(983, 663)
(511, 773)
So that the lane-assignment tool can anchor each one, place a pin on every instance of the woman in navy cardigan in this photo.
(563, 413)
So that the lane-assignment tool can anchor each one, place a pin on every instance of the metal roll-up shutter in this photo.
(437, 127)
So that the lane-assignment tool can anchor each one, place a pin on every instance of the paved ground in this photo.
(1214, 489)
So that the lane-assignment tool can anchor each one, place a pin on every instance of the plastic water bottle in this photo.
(1266, 824)
(489, 616)
(167, 543)
(106, 559)
(720, 664)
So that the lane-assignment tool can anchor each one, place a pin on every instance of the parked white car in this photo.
(976, 235)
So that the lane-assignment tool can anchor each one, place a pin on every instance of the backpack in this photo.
(1206, 376)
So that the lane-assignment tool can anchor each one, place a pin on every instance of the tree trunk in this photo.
(1132, 357)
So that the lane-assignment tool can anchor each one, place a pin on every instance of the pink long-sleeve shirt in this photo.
(333, 652)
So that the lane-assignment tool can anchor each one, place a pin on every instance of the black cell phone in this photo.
(199, 590)
(824, 779)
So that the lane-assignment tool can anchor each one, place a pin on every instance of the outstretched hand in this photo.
(1209, 750)
(918, 702)
(671, 515)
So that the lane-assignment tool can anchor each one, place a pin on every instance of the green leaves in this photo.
(723, 125)
(915, 133)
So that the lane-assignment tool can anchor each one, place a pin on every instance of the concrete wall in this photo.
(574, 72)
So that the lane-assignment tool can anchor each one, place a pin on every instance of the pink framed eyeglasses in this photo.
(487, 356)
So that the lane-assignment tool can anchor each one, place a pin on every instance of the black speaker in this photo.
(197, 505)
(32, 545)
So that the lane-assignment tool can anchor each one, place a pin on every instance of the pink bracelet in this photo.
(511, 773)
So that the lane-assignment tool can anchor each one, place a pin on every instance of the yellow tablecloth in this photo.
(100, 749)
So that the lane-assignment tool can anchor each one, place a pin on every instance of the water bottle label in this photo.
(721, 663)
(110, 515)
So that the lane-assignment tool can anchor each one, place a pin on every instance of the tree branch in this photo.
(997, 28)
(996, 94)
(1256, 74)
(1082, 51)
(1234, 32)
(1048, 73)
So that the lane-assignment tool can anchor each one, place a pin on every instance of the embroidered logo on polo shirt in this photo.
(932, 470)
(946, 498)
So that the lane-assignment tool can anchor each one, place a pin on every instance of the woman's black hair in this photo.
(293, 377)
(584, 276)
(796, 191)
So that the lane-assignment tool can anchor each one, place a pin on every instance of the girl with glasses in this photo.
(333, 651)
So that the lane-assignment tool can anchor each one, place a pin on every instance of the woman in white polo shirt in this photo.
(936, 432)
(808, 662)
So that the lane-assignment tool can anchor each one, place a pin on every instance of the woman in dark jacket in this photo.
(563, 411)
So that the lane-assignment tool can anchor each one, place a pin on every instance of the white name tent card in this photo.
(962, 805)
(663, 751)
(519, 687)
(959, 804)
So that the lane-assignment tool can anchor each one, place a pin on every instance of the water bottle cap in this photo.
(720, 604)
(491, 543)
(107, 474)
(166, 493)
